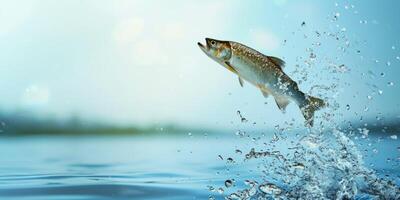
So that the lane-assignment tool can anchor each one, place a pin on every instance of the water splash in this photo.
(319, 166)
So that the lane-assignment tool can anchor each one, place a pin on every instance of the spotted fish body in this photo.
(255, 67)
(265, 72)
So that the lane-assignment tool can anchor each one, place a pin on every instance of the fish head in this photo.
(218, 50)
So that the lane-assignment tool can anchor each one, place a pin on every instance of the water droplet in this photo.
(220, 190)
(298, 165)
(369, 97)
(382, 74)
(347, 107)
(394, 137)
(211, 188)
(189, 134)
(388, 63)
(230, 160)
(252, 191)
(343, 68)
(390, 83)
(242, 119)
(220, 157)
(312, 55)
(375, 150)
(233, 196)
(270, 188)
(393, 47)
(380, 92)
(250, 183)
(238, 151)
(211, 198)
(343, 29)
(240, 133)
(228, 183)
(398, 57)
(364, 132)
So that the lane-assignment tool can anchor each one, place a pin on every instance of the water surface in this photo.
(159, 167)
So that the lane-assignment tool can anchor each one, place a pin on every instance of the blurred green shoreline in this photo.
(27, 124)
(23, 124)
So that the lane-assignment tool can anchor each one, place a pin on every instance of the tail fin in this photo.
(311, 105)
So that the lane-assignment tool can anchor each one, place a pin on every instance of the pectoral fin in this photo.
(281, 102)
(240, 81)
(230, 68)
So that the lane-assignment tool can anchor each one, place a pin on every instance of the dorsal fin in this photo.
(277, 61)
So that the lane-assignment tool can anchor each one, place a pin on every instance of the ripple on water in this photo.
(108, 191)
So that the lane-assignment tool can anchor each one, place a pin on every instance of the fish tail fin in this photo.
(308, 109)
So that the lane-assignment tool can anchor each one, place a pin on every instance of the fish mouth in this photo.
(205, 48)
(201, 45)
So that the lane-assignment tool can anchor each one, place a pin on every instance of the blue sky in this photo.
(138, 62)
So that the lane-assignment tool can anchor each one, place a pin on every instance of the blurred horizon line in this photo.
(25, 122)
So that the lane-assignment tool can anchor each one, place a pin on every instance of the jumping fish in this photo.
(265, 72)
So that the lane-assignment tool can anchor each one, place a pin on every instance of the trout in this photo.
(264, 72)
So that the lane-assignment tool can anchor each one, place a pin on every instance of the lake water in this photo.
(188, 167)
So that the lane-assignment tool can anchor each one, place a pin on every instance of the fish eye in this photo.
(213, 42)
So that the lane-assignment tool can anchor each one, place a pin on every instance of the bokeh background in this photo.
(106, 99)
(136, 63)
